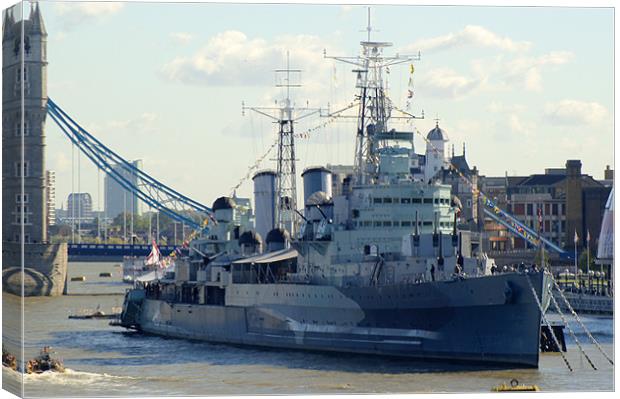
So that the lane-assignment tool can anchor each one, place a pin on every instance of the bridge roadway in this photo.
(112, 252)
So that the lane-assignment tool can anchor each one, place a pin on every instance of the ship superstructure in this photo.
(377, 265)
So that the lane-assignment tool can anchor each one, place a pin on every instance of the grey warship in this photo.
(373, 264)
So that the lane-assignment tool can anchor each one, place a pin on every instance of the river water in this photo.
(109, 361)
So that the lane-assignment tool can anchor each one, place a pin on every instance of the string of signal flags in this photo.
(488, 202)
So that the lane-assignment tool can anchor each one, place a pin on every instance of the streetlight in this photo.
(598, 276)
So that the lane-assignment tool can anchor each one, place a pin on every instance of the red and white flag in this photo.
(154, 257)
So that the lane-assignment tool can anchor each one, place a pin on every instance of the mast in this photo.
(286, 185)
(374, 106)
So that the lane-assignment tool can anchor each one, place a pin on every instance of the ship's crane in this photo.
(148, 189)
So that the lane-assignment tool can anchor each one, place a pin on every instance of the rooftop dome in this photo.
(437, 134)
(250, 237)
(223, 203)
(277, 235)
(318, 198)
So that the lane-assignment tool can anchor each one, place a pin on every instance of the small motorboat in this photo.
(8, 360)
(97, 314)
(44, 362)
(515, 387)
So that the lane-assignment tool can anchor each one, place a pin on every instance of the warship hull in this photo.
(492, 319)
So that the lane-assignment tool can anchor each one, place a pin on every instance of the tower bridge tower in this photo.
(24, 101)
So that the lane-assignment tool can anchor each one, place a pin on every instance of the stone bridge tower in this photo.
(24, 64)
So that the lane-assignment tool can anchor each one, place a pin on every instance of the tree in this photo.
(583, 261)
(545, 261)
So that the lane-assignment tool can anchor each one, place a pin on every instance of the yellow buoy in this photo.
(515, 387)
(78, 278)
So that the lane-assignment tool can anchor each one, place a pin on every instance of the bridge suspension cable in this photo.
(148, 189)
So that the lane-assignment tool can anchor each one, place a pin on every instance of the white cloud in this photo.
(500, 107)
(520, 72)
(141, 123)
(471, 35)
(72, 14)
(446, 83)
(528, 70)
(232, 58)
(573, 112)
(346, 8)
(181, 37)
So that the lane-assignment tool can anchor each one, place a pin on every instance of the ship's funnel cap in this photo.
(223, 203)
(250, 237)
(278, 235)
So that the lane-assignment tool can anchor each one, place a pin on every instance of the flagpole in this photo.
(588, 252)
(576, 239)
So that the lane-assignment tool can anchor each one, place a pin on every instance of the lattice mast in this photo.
(374, 106)
(286, 185)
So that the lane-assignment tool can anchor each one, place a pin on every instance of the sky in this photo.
(526, 88)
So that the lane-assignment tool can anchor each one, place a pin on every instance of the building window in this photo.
(18, 130)
(547, 226)
(19, 208)
(387, 200)
(519, 209)
(26, 169)
(18, 198)
(546, 209)
(554, 209)
(563, 226)
(18, 215)
(562, 209)
(18, 77)
(530, 209)
(405, 200)
(377, 200)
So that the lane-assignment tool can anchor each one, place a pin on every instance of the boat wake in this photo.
(73, 377)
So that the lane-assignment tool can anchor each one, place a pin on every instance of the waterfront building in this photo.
(118, 200)
(568, 201)
(80, 207)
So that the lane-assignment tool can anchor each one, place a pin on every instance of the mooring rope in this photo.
(572, 333)
(542, 313)
(570, 308)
